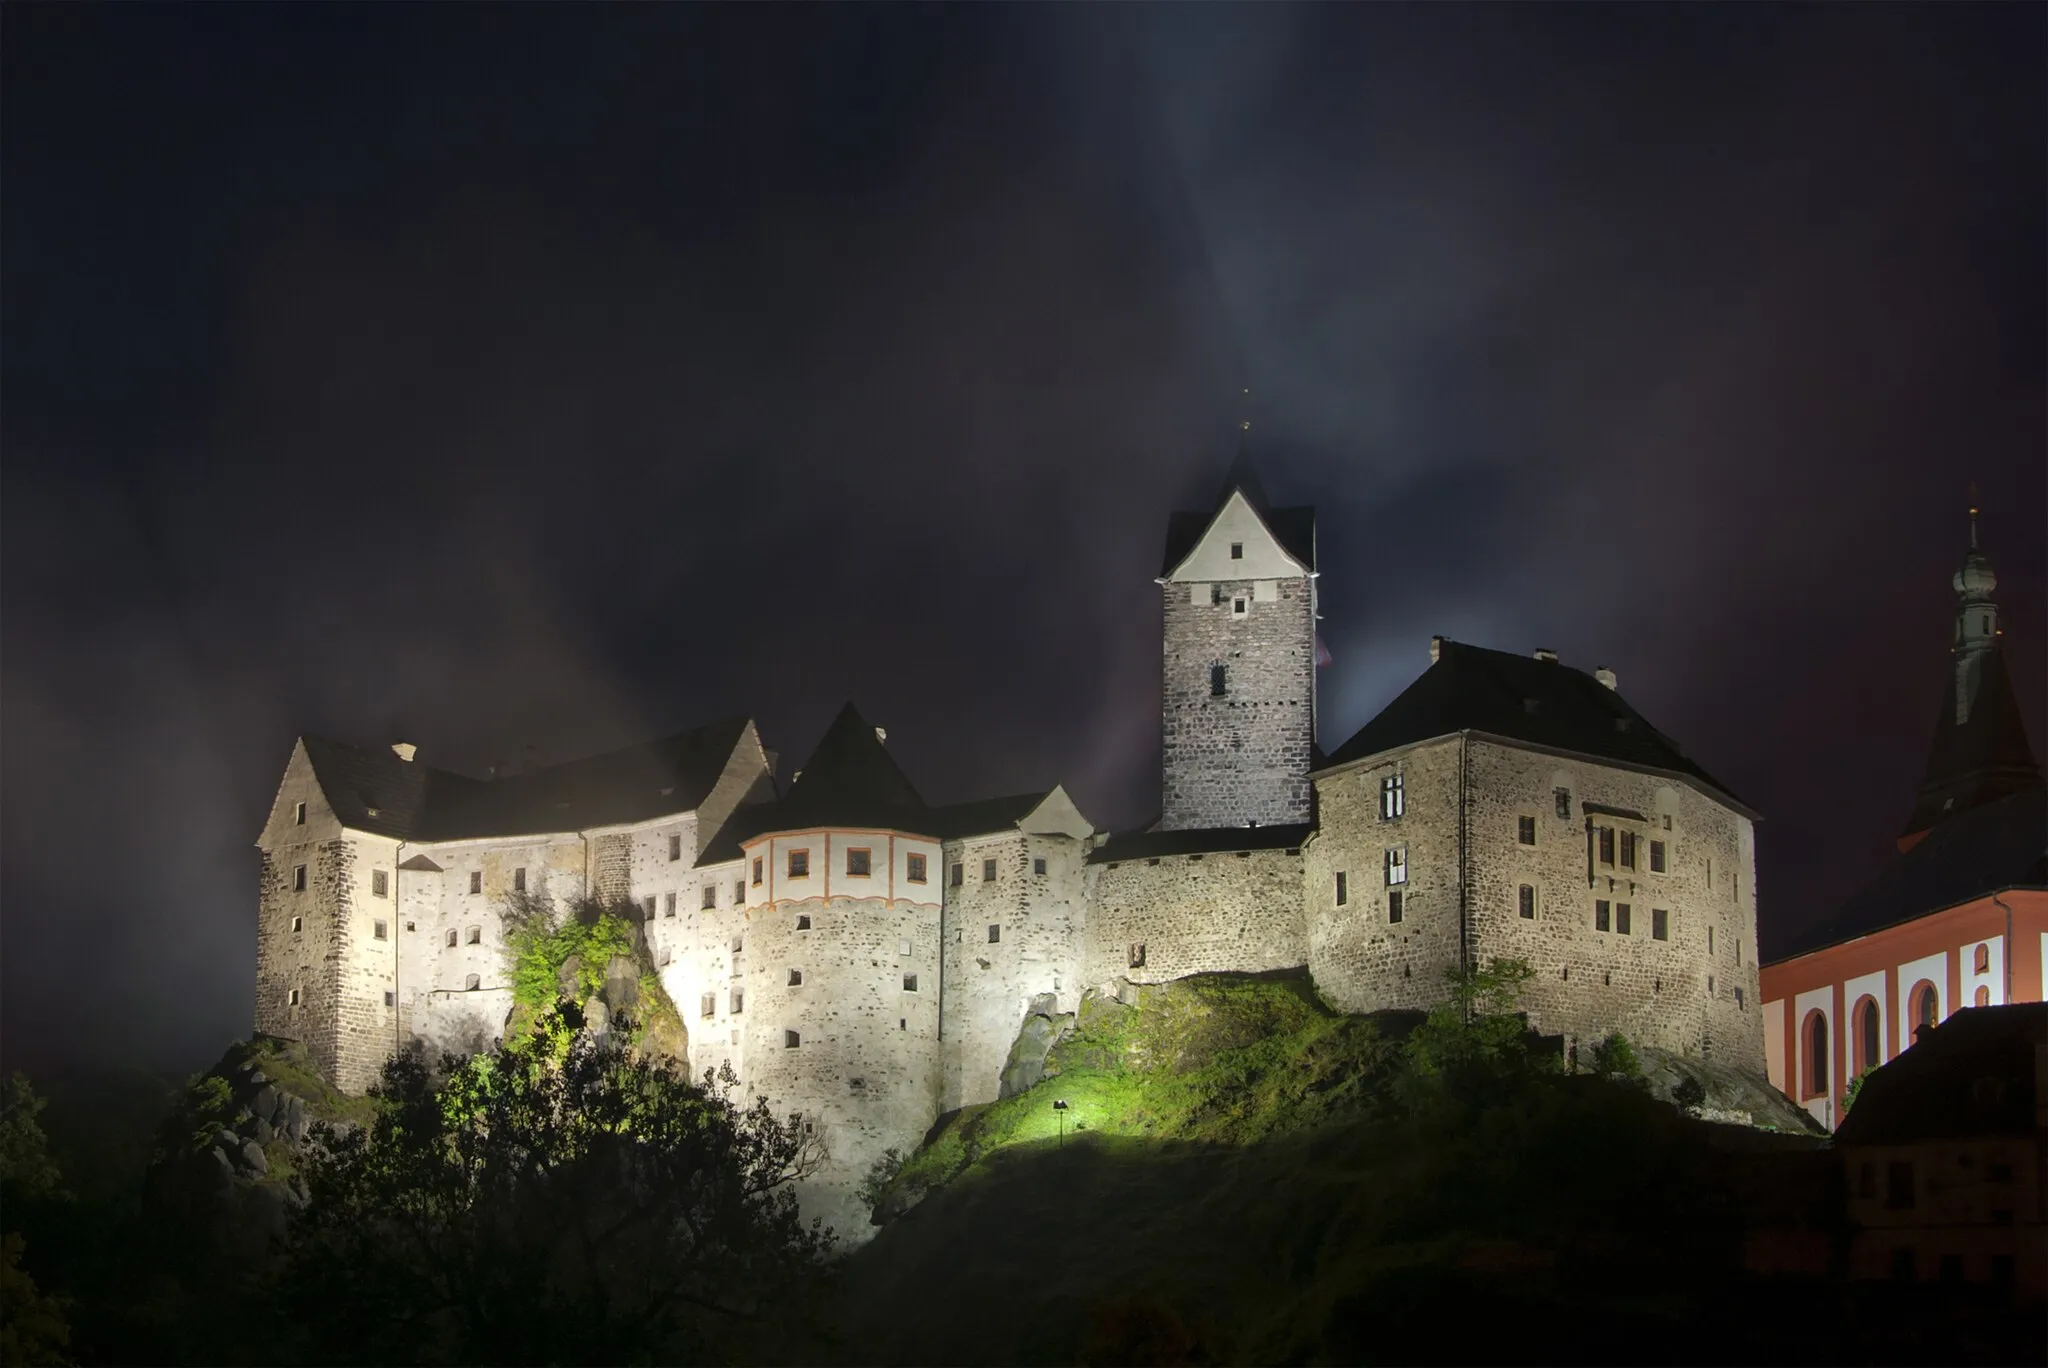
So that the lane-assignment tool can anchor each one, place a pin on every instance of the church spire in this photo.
(1980, 750)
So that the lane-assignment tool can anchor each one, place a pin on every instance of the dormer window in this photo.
(1237, 550)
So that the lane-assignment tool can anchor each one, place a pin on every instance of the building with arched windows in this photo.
(1958, 918)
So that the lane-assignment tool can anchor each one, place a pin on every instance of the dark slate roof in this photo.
(1140, 845)
(1540, 702)
(1293, 528)
(1981, 760)
(415, 801)
(850, 780)
(1999, 845)
(1974, 1074)
(983, 816)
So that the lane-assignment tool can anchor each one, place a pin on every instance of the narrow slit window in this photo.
(796, 978)
(298, 878)
(451, 938)
(1564, 803)
(803, 921)
(1137, 955)
(736, 1001)
(1343, 889)
(668, 905)
(292, 1000)
(298, 923)
(791, 1040)
(707, 1005)
(390, 998)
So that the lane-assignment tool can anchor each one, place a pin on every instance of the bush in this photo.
(1614, 1058)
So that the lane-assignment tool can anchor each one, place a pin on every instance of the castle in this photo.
(866, 958)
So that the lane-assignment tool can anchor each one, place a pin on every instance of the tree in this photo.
(1614, 1058)
(557, 1200)
(1855, 1089)
(1476, 1036)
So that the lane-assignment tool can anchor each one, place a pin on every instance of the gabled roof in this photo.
(1984, 757)
(1293, 528)
(373, 790)
(1974, 1074)
(1521, 698)
(1998, 845)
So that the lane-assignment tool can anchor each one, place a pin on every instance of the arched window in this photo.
(1982, 962)
(1923, 1006)
(1983, 996)
(1868, 1044)
(1816, 1054)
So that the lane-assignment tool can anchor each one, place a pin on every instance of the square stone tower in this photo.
(1238, 702)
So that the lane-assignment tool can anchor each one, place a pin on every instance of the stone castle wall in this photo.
(1196, 914)
(1243, 756)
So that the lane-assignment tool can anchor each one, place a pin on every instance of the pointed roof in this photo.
(1980, 759)
(1293, 528)
(372, 790)
(850, 780)
(1535, 700)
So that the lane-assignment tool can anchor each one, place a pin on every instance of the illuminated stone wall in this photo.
(1196, 914)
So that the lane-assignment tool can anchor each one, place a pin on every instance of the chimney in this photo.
(1436, 649)
(1545, 654)
(1604, 675)
(404, 750)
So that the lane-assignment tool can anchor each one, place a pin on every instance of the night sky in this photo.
(494, 377)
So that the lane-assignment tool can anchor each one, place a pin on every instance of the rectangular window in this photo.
(800, 864)
(1656, 857)
(298, 923)
(298, 878)
(913, 868)
(710, 897)
(910, 983)
(472, 983)
(1525, 830)
(736, 1001)
(757, 871)
(1397, 866)
(675, 847)
(381, 929)
(988, 871)
(519, 879)
(299, 815)
(410, 927)
(293, 999)
(858, 862)
(1607, 845)
(708, 1004)
(1395, 905)
(1628, 850)
(903, 947)
(1564, 803)
(1137, 954)
(790, 1040)
(1621, 912)
(1738, 999)
(476, 881)
(1240, 606)
(1527, 897)
(668, 905)
(739, 943)
(390, 998)
(1660, 924)
(451, 938)
(647, 906)
(1343, 889)
(1217, 684)
(1667, 821)
(803, 921)
(739, 891)
(1710, 940)
(1393, 796)
(1601, 913)
(796, 978)
(995, 934)
(959, 875)
(1038, 866)
(1237, 550)
(476, 935)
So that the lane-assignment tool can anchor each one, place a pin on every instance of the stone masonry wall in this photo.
(989, 986)
(1361, 959)
(1242, 757)
(1196, 914)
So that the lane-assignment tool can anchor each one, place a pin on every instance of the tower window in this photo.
(995, 934)
(800, 863)
(903, 947)
(299, 814)
(1564, 803)
(860, 862)
(675, 847)
(1397, 866)
(519, 879)
(476, 881)
(1527, 897)
(1343, 889)
(1660, 924)
(1656, 857)
(1217, 686)
(1394, 905)
(298, 878)
(1525, 830)
(1038, 865)
(1237, 552)
(1393, 796)
(913, 867)
(710, 897)
(910, 983)
(988, 871)
(1602, 912)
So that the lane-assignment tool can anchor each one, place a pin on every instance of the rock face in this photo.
(1044, 1027)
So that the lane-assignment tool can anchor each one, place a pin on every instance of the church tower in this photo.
(1238, 702)
(1980, 750)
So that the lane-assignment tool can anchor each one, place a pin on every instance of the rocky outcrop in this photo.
(1044, 1027)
